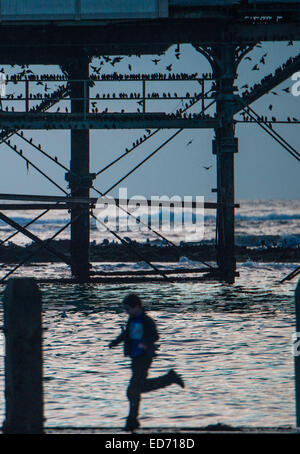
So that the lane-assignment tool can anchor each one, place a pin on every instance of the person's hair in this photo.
(132, 300)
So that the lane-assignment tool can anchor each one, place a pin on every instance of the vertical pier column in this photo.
(79, 177)
(225, 146)
(296, 351)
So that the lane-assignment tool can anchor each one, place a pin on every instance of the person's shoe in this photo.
(131, 425)
(176, 378)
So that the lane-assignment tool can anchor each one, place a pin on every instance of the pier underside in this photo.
(223, 35)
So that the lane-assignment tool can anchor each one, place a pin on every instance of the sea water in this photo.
(276, 222)
(231, 343)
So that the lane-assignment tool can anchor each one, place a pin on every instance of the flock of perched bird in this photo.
(49, 97)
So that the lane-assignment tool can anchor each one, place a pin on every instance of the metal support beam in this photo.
(225, 145)
(79, 177)
(22, 120)
(34, 238)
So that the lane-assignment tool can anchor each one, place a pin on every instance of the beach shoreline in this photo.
(120, 253)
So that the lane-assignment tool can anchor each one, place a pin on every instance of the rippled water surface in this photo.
(232, 344)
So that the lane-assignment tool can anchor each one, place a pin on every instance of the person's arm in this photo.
(118, 339)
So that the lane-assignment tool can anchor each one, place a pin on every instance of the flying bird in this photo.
(255, 68)
(287, 90)
(207, 167)
(189, 142)
(155, 61)
(290, 43)
(248, 58)
(95, 69)
(116, 60)
(169, 67)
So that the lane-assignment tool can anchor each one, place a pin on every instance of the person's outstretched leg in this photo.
(150, 384)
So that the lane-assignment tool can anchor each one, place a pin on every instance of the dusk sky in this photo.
(263, 169)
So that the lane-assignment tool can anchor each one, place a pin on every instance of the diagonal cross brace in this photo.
(34, 238)
(267, 84)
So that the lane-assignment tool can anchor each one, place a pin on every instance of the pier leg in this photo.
(23, 357)
(297, 354)
(225, 145)
(79, 176)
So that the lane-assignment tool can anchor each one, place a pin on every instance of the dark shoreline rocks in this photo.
(120, 253)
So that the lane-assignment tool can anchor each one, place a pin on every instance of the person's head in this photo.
(133, 304)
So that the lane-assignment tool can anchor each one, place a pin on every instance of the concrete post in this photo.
(23, 357)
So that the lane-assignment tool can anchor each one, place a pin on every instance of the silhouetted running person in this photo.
(139, 339)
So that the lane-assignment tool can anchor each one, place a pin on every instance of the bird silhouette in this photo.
(245, 86)
(169, 67)
(262, 60)
(270, 107)
(207, 167)
(274, 93)
(248, 58)
(255, 68)
(129, 67)
(177, 55)
(116, 60)
(155, 61)
(290, 43)
(287, 90)
(189, 142)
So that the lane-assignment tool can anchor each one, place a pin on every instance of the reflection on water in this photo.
(232, 344)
